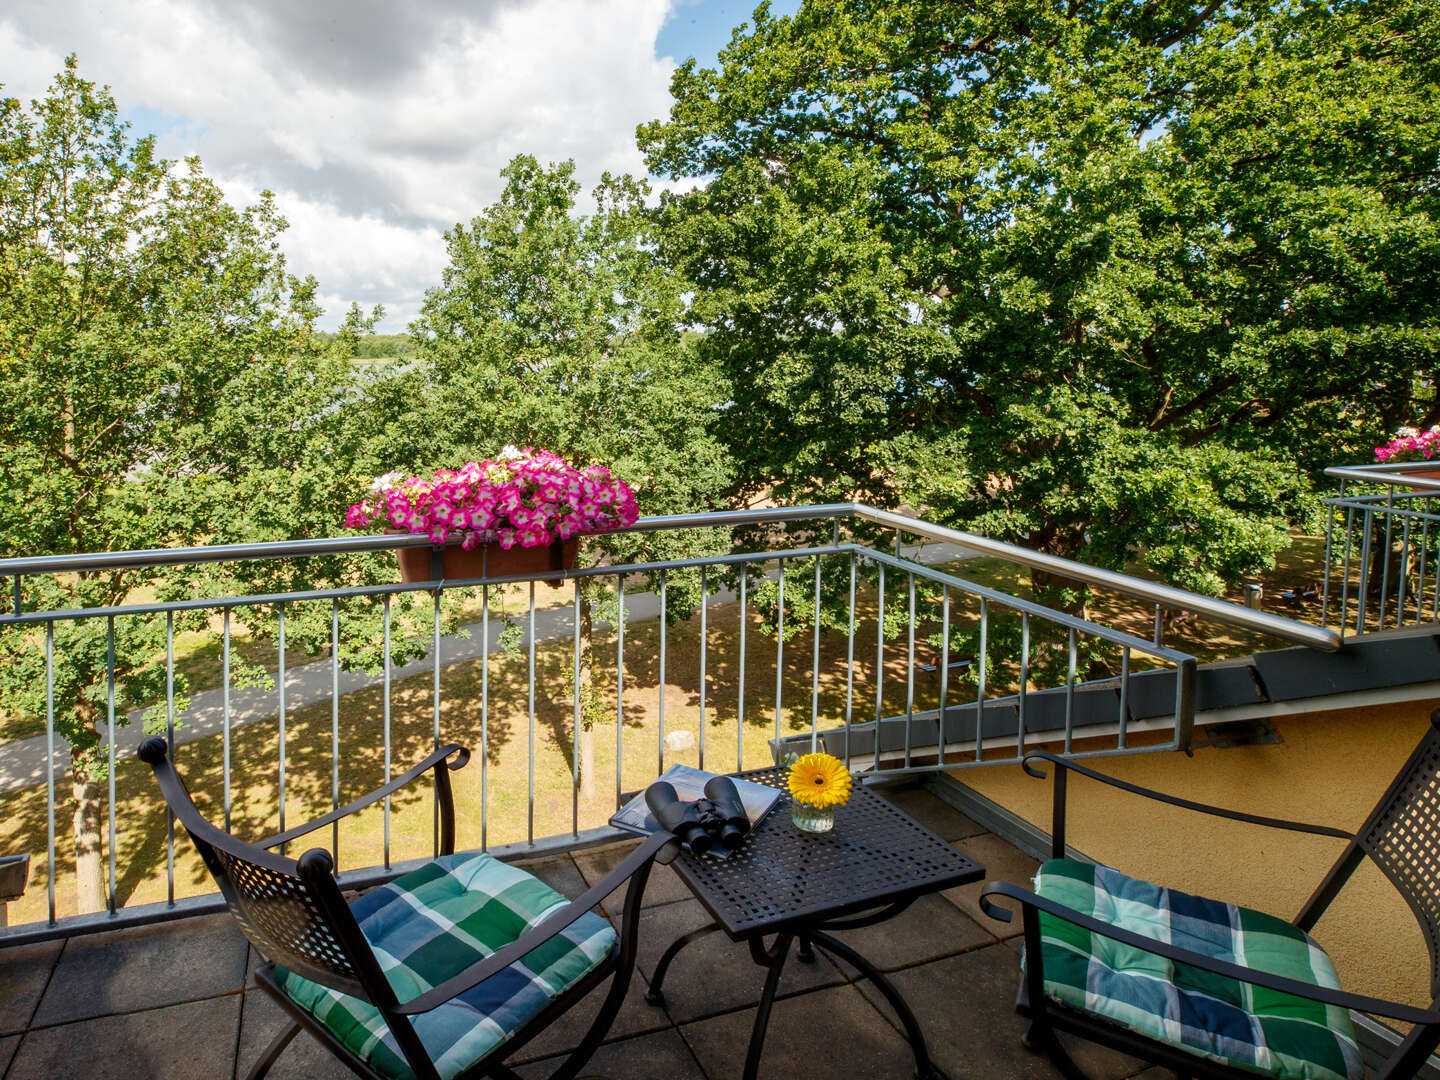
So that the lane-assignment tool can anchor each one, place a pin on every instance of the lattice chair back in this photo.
(291, 910)
(1402, 836)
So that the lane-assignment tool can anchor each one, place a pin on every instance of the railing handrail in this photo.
(349, 545)
(1392, 472)
(1167, 596)
(1164, 595)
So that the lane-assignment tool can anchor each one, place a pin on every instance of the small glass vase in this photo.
(812, 818)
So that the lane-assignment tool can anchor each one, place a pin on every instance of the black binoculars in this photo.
(717, 818)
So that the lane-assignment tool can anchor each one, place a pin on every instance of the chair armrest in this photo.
(1187, 804)
(498, 961)
(433, 761)
(1358, 1002)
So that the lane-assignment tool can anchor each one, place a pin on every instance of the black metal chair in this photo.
(1402, 837)
(319, 961)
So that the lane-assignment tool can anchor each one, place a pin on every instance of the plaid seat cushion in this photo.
(1260, 1030)
(433, 923)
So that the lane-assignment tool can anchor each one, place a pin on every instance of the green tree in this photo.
(149, 338)
(1108, 279)
(559, 329)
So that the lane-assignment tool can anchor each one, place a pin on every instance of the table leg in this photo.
(775, 959)
(805, 953)
(925, 1069)
(655, 995)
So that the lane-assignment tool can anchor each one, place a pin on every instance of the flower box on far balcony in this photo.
(487, 560)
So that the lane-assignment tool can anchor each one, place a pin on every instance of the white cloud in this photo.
(377, 125)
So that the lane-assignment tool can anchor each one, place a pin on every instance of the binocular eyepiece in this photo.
(717, 818)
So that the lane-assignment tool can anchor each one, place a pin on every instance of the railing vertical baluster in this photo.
(225, 709)
(704, 643)
(435, 724)
(815, 669)
(1367, 527)
(1070, 694)
(1424, 551)
(1404, 569)
(385, 719)
(1329, 541)
(50, 767)
(577, 723)
(485, 714)
(530, 767)
(1435, 596)
(619, 684)
(849, 656)
(19, 606)
(740, 696)
(110, 726)
(1345, 573)
(1385, 558)
(779, 650)
(879, 658)
(280, 683)
(980, 665)
(660, 703)
(1159, 633)
(170, 741)
(1024, 684)
(944, 671)
(1124, 693)
(909, 676)
(335, 725)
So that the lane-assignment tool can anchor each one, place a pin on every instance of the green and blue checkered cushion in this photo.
(1260, 1030)
(433, 923)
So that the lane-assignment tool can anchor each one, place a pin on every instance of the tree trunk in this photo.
(89, 881)
(585, 737)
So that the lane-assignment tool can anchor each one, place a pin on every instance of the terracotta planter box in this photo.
(488, 560)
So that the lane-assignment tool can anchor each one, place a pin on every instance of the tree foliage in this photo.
(1102, 277)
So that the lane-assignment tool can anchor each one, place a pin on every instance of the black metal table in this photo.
(799, 886)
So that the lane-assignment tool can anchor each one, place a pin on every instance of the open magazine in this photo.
(689, 783)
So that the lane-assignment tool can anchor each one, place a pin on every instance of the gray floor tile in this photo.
(304, 1059)
(965, 1006)
(145, 967)
(559, 872)
(830, 1034)
(24, 971)
(932, 811)
(663, 887)
(564, 1034)
(8, 1046)
(193, 1041)
(1002, 862)
(929, 928)
(714, 974)
(662, 1054)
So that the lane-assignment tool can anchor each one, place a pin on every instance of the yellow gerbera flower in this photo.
(820, 780)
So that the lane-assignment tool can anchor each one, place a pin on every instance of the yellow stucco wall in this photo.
(1328, 768)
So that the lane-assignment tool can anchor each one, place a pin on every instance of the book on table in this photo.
(689, 784)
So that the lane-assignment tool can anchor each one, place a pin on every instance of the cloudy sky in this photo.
(377, 123)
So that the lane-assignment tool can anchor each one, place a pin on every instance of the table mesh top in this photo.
(876, 854)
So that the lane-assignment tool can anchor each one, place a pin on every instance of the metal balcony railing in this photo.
(868, 614)
(1382, 539)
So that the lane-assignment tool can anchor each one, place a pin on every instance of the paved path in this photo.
(22, 762)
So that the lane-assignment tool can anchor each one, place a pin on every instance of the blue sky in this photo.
(701, 28)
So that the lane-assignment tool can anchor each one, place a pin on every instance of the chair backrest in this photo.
(1402, 836)
(291, 910)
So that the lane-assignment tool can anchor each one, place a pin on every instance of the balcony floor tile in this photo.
(832, 1034)
(193, 1041)
(24, 971)
(145, 967)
